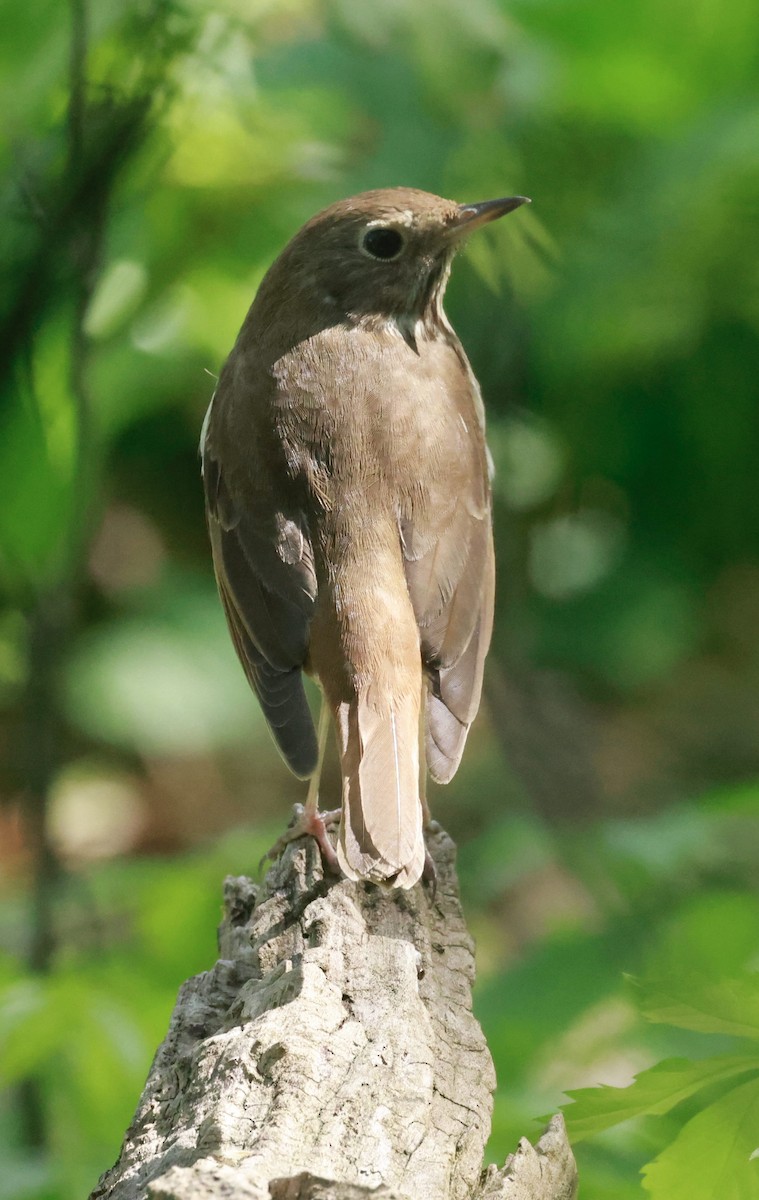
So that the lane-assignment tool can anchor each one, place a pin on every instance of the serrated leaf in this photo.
(728, 1006)
(711, 1158)
(652, 1093)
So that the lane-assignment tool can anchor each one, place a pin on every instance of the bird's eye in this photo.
(383, 242)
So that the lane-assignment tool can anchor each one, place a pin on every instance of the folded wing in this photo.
(450, 572)
(265, 574)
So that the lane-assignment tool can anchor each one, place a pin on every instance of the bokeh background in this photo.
(158, 154)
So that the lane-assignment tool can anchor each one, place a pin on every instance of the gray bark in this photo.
(330, 1054)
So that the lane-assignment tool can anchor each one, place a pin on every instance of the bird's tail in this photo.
(381, 836)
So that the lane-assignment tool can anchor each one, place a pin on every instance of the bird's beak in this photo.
(472, 216)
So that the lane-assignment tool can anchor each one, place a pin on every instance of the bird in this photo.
(348, 501)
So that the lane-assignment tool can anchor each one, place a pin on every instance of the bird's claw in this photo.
(313, 824)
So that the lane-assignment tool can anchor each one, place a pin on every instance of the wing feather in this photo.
(447, 543)
(453, 694)
(264, 568)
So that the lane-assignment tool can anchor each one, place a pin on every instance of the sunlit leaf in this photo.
(713, 1156)
(729, 1006)
(653, 1092)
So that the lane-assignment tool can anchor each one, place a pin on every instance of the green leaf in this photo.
(711, 1159)
(729, 1006)
(652, 1093)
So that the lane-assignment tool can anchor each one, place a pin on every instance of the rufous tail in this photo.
(381, 835)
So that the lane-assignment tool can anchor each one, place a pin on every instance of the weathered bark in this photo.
(330, 1054)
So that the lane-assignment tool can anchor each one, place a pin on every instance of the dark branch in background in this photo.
(101, 135)
(105, 128)
(85, 251)
(40, 738)
(52, 618)
(114, 132)
(77, 84)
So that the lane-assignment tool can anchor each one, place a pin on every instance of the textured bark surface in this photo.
(330, 1054)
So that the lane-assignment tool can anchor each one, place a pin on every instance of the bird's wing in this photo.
(450, 571)
(264, 568)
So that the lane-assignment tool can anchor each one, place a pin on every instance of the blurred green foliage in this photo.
(158, 155)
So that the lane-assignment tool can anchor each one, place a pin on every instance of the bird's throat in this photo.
(425, 317)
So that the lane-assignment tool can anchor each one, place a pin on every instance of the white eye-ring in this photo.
(382, 242)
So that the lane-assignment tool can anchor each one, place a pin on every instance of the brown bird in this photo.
(348, 502)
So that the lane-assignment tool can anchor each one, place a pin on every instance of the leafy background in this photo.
(158, 156)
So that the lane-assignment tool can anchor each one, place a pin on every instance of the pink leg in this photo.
(309, 822)
(429, 875)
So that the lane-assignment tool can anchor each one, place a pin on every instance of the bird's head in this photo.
(383, 254)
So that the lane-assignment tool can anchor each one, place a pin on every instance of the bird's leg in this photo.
(429, 875)
(423, 758)
(426, 814)
(308, 820)
(311, 809)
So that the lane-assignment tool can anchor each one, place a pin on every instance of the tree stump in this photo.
(330, 1054)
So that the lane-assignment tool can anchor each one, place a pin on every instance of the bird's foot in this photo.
(429, 874)
(309, 823)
